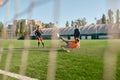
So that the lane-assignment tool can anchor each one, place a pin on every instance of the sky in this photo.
(56, 10)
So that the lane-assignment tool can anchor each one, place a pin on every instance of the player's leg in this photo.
(43, 43)
(38, 42)
(41, 39)
(66, 47)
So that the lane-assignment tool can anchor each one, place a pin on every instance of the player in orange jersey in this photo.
(38, 33)
(71, 43)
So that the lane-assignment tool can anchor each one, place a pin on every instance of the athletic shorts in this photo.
(40, 39)
(67, 44)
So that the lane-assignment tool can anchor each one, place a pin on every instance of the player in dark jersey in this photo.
(76, 32)
(38, 33)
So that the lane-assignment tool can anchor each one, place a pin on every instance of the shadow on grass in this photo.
(35, 49)
(30, 49)
(61, 50)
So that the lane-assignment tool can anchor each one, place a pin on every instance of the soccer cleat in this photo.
(68, 51)
(63, 48)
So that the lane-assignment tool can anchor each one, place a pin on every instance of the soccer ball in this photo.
(58, 35)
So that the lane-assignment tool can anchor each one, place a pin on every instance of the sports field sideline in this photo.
(85, 63)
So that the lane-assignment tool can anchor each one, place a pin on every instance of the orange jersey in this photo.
(74, 44)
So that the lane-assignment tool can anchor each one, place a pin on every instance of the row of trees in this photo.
(83, 22)
(79, 22)
(103, 20)
(111, 18)
(48, 25)
(22, 29)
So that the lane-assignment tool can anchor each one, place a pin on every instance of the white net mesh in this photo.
(110, 56)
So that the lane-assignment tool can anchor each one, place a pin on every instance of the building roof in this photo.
(91, 29)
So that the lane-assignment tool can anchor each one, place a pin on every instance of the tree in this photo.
(110, 15)
(78, 22)
(67, 24)
(72, 23)
(95, 20)
(83, 22)
(103, 19)
(117, 16)
(29, 28)
(1, 28)
(22, 25)
(17, 29)
(51, 24)
(48, 25)
(34, 26)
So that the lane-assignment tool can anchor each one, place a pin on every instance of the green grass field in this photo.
(85, 63)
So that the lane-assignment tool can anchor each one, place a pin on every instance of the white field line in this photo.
(17, 76)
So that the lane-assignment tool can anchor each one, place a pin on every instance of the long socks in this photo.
(43, 44)
(38, 44)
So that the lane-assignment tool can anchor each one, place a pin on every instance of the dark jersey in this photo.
(38, 33)
(76, 33)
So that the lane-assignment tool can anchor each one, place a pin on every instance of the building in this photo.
(10, 32)
(98, 31)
